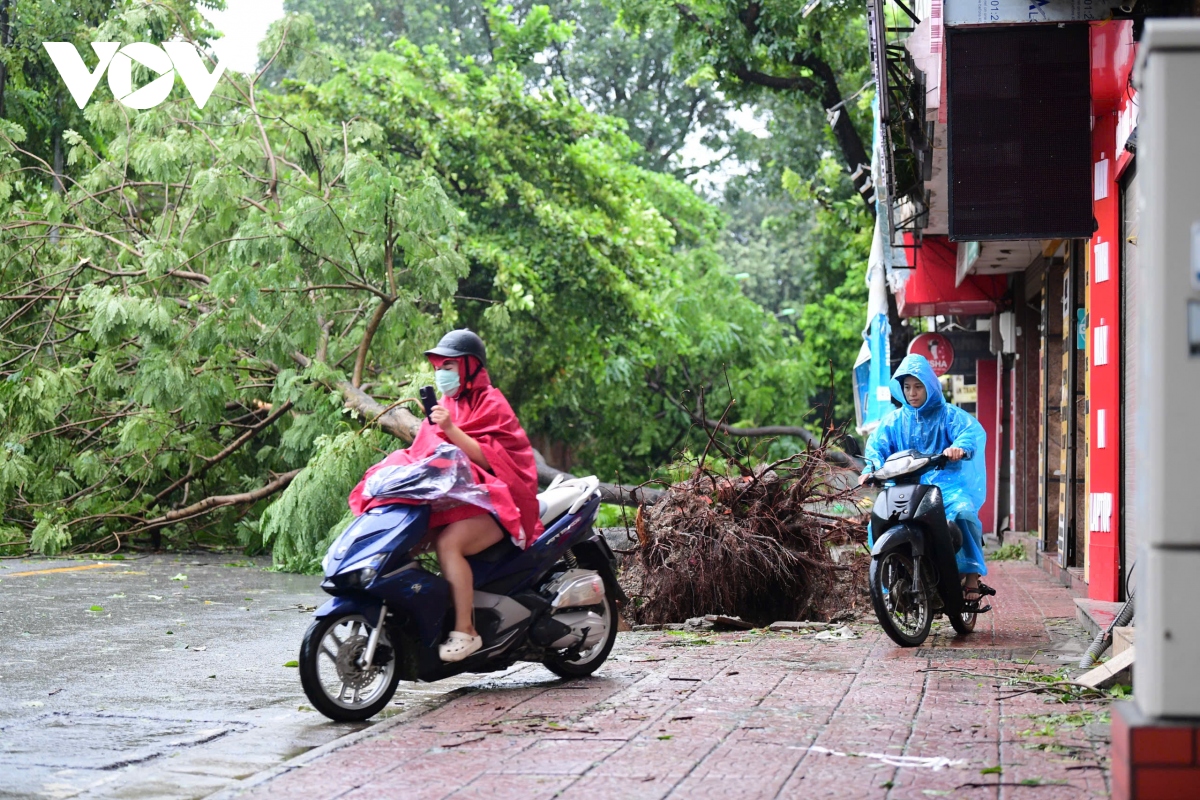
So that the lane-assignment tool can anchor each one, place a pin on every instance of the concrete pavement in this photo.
(752, 715)
(160, 677)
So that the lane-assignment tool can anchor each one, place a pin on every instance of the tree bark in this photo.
(849, 142)
(364, 347)
(229, 450)
(611, 493)
(5, 42)
(219, 501)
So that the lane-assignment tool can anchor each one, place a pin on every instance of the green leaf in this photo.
(292, 664)
(96, 608)
(996, 770)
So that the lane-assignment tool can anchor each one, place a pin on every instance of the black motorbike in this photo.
(914, 574)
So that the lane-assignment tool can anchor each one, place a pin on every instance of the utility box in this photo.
(1168, 414)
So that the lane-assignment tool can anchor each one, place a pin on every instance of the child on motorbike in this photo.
(926, 423)
(475, 417)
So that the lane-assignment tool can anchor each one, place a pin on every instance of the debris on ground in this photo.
(935, 763)
(1115, 670)
(787, 626)
(841, 634)
(755, 542)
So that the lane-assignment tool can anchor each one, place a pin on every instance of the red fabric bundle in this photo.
(481, 411)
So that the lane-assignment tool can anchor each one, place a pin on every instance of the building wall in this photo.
(1104, 373)
(1050, 437)
(1027, 400)
(1112, 58)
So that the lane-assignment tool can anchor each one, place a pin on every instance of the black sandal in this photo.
(971, 604)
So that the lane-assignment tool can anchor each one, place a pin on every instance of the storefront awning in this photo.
(931, 288)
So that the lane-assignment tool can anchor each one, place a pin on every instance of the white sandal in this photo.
(459, 645)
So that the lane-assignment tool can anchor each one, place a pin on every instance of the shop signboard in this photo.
(937, 350)
(1007, 12)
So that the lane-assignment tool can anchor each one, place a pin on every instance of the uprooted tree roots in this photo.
(755, 545)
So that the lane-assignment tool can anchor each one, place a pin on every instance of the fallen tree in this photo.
(749, 541)
(697, 415)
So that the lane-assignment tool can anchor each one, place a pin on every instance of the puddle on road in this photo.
(102, 741)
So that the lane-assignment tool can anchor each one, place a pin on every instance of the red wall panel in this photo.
(987, 411)
(1112, 55)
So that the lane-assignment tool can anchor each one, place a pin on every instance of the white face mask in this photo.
(447, 381)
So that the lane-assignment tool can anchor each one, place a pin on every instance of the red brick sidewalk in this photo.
(751, 716)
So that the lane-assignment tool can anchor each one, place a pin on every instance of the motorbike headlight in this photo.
(899, 466)
(363, 572)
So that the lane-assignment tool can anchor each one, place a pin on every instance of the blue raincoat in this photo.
(931, 429)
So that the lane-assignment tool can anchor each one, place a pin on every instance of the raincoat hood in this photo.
(919, 368)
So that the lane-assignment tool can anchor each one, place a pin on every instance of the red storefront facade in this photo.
(1114, 114)
(1055, 392)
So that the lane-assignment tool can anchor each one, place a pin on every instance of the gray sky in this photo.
(244, 23)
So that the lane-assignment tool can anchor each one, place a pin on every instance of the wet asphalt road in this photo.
(161, 677)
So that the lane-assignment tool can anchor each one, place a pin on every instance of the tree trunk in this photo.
(854, 153)
(58, 181)
(5, 42)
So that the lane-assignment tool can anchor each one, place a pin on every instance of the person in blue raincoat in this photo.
(926, 423)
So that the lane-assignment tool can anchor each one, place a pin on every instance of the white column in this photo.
(1166, 453)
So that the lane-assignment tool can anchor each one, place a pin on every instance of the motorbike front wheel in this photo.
(333, 679)
(905, 615)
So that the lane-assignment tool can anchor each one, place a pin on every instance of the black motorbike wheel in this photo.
(904, 617)
(329, 672)
(963, 623)
(590, 660)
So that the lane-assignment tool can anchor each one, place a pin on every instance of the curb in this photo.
(304, 759)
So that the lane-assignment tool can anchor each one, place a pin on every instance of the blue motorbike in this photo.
(556, 602)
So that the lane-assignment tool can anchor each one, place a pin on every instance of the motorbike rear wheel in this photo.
(589, 660)
(963, 623)
(329, 671)
(905, 616)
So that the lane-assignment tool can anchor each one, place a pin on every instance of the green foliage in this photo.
(302, 523)
(576, 45)
(189, 279)
(1013, 551)
(198, 305)
(772, 48)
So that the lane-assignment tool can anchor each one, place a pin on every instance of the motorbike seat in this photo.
(500, 551)
(561, 496)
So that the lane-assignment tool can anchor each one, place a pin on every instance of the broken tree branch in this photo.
(218, 501)
(229, 450)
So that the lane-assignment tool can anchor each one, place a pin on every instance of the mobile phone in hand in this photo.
(428, 399)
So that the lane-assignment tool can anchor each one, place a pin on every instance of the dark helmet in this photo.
(457, 344)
